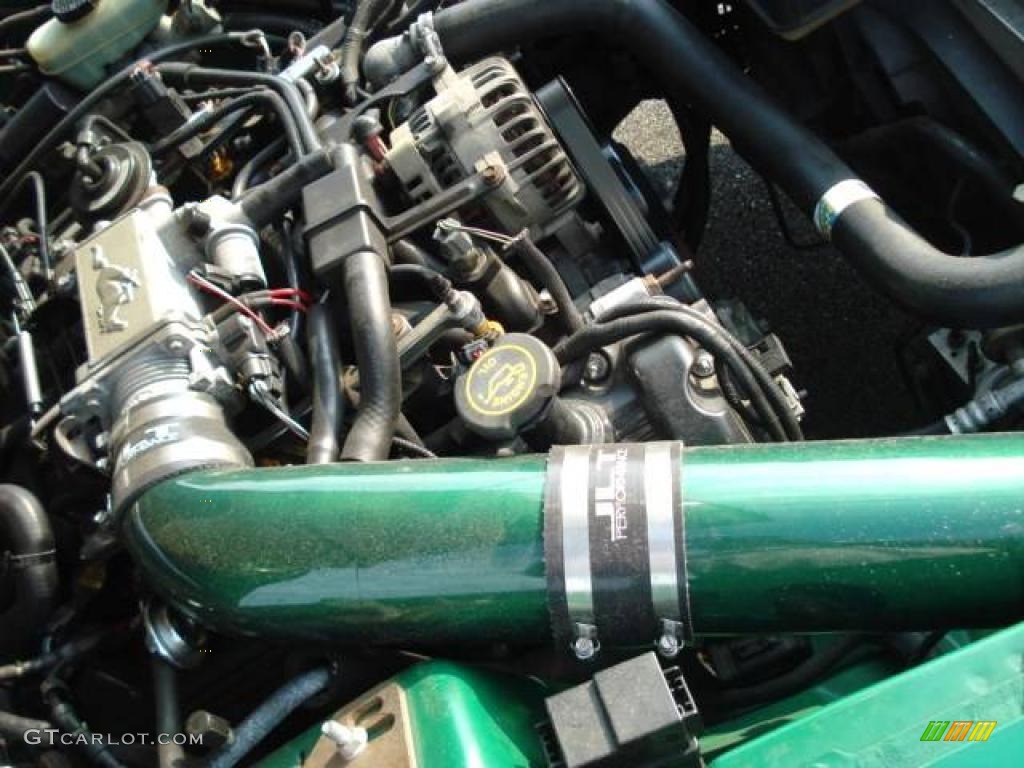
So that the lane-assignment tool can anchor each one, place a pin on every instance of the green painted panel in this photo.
(461, 717)
(881, 726)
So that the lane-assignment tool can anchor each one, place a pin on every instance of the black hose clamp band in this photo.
(614, 546)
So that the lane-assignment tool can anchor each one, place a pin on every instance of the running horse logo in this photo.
(115, 287)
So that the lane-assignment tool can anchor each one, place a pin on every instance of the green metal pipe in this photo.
(871, 535)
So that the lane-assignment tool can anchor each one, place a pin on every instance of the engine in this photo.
(353, 366)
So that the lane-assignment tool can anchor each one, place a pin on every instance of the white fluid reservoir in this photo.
(87, 35)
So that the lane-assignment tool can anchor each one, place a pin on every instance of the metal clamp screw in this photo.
(586, 644)
(670, 643)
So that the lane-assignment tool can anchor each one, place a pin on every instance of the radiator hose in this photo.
(978, 292)
(380, 375)
(871, 535)
(28, 562)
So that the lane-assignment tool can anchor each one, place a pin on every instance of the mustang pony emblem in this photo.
(115, 287)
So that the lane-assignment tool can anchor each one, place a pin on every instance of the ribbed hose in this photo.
(380, 380)
(983, 291)
(28, 559)
(144, 379)
(328, 403)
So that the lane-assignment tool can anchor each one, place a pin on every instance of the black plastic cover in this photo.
(68, 11)
(632, 714)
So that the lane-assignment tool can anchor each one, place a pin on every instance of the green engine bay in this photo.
(462, 716)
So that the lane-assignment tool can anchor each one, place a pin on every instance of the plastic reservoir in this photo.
(78, 52)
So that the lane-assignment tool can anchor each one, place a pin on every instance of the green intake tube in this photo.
(872, 535)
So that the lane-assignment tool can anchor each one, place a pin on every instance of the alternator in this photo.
(483, 110)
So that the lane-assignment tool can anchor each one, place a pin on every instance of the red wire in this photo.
(208, 287)
(303, 296)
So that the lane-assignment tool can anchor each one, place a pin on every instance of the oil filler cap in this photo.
(508, 388)
(68, 11)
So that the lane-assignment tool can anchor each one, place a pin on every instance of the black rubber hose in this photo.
(62, 654)
(365, 14)
(274, 149)
(15, 728)
(263, 204)
(39, 195)
(405, 251)
(269, 715)
(67, 720)
(328, 401)
(438, 285)
(974, 292)
(544, 272)
(261, 98)
(191, 75)
(27, 546)
(34, 16)
(983, 291)
(112, 84)
(168, 713)
(380, 379)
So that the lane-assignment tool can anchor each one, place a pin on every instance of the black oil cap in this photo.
(508, 387)
(72, 10)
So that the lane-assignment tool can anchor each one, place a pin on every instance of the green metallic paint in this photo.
(460, 717)
(427, 552)
(881, 725)
(868, 534)
(874, 534)
(871, 715)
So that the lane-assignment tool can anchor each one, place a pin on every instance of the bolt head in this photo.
(703, 364)
(597, 368)
(492, 175)
(583, 648)
(668, 646)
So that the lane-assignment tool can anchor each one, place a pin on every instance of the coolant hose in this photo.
(28, 560)
(263, 204)
(871, 535)
(983, 291)
(328, 403)
(380, 374)
(363, 18)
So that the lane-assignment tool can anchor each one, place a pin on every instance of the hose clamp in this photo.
(615, 547)
(837, 199)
